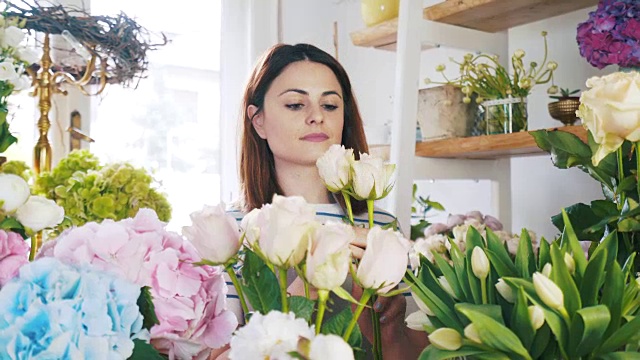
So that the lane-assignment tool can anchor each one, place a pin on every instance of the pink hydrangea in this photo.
(189, 300)
(14, 252)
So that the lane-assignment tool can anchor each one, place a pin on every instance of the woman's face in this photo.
(303, 113)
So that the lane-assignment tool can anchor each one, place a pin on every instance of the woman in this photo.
(297, 103)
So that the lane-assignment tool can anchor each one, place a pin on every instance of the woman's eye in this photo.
(294, 106)
(330, 107)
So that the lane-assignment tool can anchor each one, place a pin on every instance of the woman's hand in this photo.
(360, 243)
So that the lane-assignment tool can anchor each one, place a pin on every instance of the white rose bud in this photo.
(39, 213)
(446, 286)
(471, 333)
(214, 234)
(386, 247)
(329, 347)
(570, 263)
(14, 191)
(548, 291)
(418, 321)
(446, 339)
(329, 255)
(335, 167)
(505, 291)
(479, 263)
(371, 177)
(546, 269)
(249, 225)
(13, 36)
(8, 71)
(537, 316)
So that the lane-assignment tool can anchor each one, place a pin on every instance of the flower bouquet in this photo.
(546, 303)
(502, 95)
(611, 34)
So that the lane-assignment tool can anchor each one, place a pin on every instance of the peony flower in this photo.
(39, 213)
(331, 346)
(286, 226)
(371, 177)
(335, 167)
(58, 311)
(329, 255)
(492, 223)
(215, 234)
(455, 220)
(14, 191)
(386, 247)
(436, 228)
(610, 110)
(270, 336)
(189, 300)
(14, 252)
(446, 339)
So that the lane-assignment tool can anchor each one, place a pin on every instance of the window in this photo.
(170, 123)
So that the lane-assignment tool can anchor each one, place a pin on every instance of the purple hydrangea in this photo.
(611, 35)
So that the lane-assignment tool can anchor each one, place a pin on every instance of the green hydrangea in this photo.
(90, 192)
(16, 167)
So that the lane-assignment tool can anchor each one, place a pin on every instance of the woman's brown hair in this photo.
(257, 170)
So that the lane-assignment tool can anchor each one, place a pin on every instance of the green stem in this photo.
(483, 288)
(366, 294)
(323, 295)
(620, 177)
(370, 210)
(347, 202)
(236, 284)
(282, 279)
(638, 167)
(34, 245)
(377, 338)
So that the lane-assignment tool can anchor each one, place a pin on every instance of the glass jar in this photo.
(504, 116)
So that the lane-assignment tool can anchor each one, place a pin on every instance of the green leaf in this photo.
(587, 328)
(490, 310)
(582, 217)
(444, 313)
(620, 337)
(500, 258)
(611, 296)
(147, 309)
(494, 334)
(417, 230)
(620, 356)
(449, 274)
(502, 268)
(628, 183)
(260, 284)
(428, 279)
(610, 243)
(144, 351)
(544, 255)
(561, 276)
(570, 237)
(628, 225)
(459, 264)
(520, 320)
(338, 324)
(301, 306)
(525, 260)
(593, 277)
(541, 341)
(433, 353)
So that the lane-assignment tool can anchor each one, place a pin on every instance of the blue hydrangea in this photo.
(57, 311)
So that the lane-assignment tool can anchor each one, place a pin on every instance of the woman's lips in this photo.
(315, 137)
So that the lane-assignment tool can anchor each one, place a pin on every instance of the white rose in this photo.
(214, 234)
(335, 167)
(286, 226)
(371, 177)
(13, 36)
(329, 255)
(14, 191)
(610, 110)
(8, 71)
(270, 336)
(386, 247)
(39, 213)
(249, 225)
(20, 83)
(325, 347)
(29, 55)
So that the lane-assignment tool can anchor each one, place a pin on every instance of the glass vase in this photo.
(376, 11)
(505, 116)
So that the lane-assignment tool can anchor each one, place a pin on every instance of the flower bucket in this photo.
(504, 116)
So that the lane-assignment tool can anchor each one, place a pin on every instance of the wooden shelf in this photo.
(489, 146)
(484, 15)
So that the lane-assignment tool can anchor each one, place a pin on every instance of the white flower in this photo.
(14, 191)
(446, 286)
(546, 269)
(570, 263)
(426, 247)
(29, 55)
(548, 291)
(40, 213)
(13, 36)
(418, 321)
(505, 291)
(537, 316)
(371, 177)
(269, 336)
(421, 305)
(386, 247)
(335, 167)
(479, 263)
(249, 225)
(325, 347)
(471, 333)
(329, 255)
(446, 339)
(215, 234)
(8, 71)
(286, 226)
(20, 83)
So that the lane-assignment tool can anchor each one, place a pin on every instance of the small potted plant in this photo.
(565, 106)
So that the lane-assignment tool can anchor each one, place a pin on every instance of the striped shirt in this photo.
(324, 213)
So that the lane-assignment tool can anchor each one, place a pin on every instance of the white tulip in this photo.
(385, 260)
(14, 191)
(548, 291)
(537, 316)
(421, 305)
(335, 167)
(39, 213)
(446, 339)
(446, 286)
(479, 263)
(471, 333)
(505, 291)
(329, 255)
(286, 226)
(13, 36)
(371, 177)
(418, 321)
(570, 263)
(330, 347)
(214, 234)
(546, 269)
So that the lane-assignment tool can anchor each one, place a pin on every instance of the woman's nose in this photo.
(315, 115)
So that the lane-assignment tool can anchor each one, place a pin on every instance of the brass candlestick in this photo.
(46, 82)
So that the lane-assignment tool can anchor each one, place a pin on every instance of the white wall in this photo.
(539, 190)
